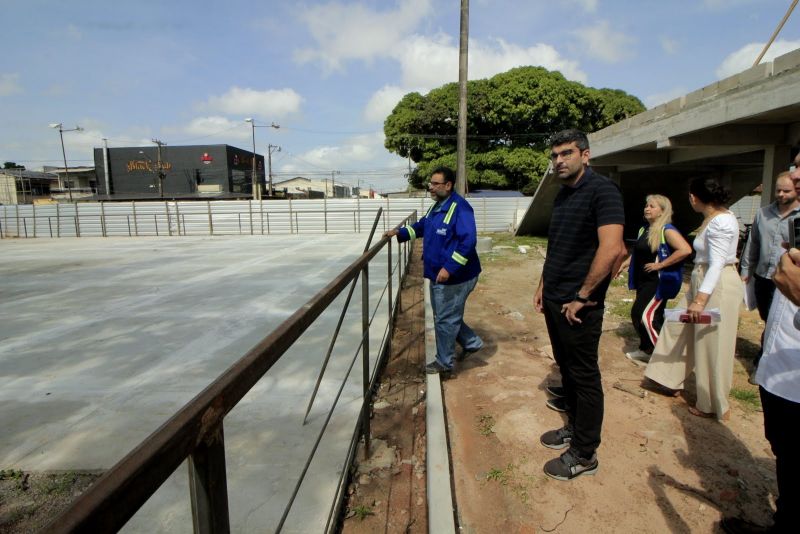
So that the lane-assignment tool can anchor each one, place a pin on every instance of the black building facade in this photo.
(178, 172)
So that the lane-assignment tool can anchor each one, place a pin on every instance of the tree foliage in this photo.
(13, 165)
(509, 118)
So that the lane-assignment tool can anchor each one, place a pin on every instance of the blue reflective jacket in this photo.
(670, 278)
(449, 238)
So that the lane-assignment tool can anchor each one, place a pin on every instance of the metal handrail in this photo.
(195, 432)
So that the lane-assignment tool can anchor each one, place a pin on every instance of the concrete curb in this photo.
(440, 497)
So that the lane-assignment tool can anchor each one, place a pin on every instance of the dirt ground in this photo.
(661, 469)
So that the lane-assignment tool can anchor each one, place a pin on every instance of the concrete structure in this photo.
(19, 186)
(105, 338)
(744, 129)
(194, 171)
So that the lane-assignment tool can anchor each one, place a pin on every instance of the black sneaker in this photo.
(737, 525)
(556, 391)
(557, 439)
(569, 465)
(557, 404)
(436, 368)
(461, 356)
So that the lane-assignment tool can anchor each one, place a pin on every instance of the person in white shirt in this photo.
(778, 378)
(706, 349)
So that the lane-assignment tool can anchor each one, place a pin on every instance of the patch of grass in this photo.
(362, 512)
(60, 484)
(10, 474)
(748, 397)
(500, 475)
(621, 308)
(509, 240)
(486, 424)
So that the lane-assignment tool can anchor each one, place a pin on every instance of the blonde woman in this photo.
(706, 349)
(655, 271)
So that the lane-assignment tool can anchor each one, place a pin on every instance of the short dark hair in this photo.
(446, 172)
(709, 191)
(569, 136)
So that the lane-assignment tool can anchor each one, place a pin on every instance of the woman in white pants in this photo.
(706, 349)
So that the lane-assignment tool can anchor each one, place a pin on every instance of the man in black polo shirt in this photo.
(584, 247)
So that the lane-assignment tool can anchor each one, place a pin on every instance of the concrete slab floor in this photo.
(102, 339)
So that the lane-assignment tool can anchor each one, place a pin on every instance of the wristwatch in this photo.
(579, 298)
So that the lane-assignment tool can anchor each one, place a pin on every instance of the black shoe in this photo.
(557, 404)
(557, 439)
(436, 368)
(569, 465)
(737, 525)
(556, 391)
(461, 356)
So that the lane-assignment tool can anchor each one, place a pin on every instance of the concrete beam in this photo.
(731, 134)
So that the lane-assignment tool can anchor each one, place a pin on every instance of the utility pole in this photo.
(461, 149)
(270, 150)
(61, 131)
(159, 168)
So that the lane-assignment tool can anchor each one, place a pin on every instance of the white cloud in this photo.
(428, 62)
(601, 41)
(209, 126)
(588, 5)
(382, 103)
(269, 104)
(654, 100)
(9, 84)
(352, 31)
(743, 58)
(668, 45)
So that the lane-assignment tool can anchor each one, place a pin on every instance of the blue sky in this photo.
(330, 72)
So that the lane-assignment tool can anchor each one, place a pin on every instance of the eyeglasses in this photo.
(432, 184)
(565, 154)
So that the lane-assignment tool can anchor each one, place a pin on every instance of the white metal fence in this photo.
(169, 218)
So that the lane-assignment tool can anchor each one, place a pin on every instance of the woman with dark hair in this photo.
(705, 348)
(655, 271)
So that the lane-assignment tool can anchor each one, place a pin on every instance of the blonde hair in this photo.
(657, 226)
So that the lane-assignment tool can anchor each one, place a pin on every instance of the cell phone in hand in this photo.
(705, 318)
(794, 232)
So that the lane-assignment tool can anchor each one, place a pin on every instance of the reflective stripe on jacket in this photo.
(449, 236)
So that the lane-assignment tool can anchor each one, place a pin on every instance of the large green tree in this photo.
(509, 118)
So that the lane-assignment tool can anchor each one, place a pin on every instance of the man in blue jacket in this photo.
(450, 263)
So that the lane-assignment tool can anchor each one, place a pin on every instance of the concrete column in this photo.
(776, 160)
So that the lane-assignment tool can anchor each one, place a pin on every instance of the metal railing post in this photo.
(33, 207)
(250, 208)
(58, 221)
(135, 220)
(208, 486)
(365, 429)
(169, 219)
(210, 219)
(103, 231)
(77, 221)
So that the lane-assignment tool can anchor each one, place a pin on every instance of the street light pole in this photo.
(253, 126)
(61, 131)
(270, 150)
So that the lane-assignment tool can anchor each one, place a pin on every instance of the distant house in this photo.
(72, 183)
(300, 187)
(18, 186)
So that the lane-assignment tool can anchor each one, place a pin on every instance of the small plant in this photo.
(10, 474)
(622, 308)
(59, 484)
(362, 512)
(500, 475)
(748, 397)
(486, 424)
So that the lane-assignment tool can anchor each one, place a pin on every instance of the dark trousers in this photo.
(765, 290)
(575, 351)
(647, 315)
(781, 418)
